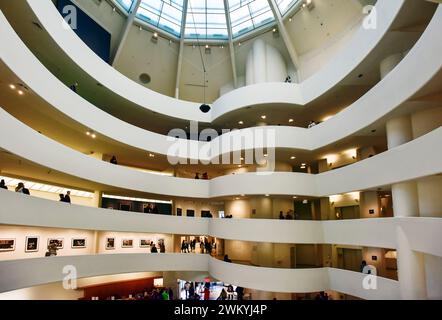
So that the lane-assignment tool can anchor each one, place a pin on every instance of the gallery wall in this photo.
(95, 241)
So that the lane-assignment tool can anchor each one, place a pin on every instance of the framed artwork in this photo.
(125, 206)
(7, 244)
(145, 243)
(190, 213)
(58, 242)
(78, 243)
(127, 243)
(31, 244)
(110, 243)
(179, 211)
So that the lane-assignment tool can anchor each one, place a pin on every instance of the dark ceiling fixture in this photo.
(204, 108)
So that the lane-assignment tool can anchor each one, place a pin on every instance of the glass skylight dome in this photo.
(207, 19)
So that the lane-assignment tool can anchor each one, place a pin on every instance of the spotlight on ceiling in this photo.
(204, 108)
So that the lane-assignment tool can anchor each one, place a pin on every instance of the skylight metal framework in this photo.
(208, 19)
(163, 14)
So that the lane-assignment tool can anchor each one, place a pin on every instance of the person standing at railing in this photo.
(21, 189)
(3, 185)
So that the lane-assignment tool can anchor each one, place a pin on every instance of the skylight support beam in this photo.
(125, 31)
(231, 47)
(285, 36)
(181, 50)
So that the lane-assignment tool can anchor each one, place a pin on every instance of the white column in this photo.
(399, 131)
(411, 267)
(264, 63)
(405, 199)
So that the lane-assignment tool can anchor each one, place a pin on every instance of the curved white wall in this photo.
(372, 107)
(362, 43)
(423, 233)
(372, 172)
(17, 274)
(264, 64)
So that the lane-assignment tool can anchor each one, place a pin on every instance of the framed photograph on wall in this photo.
(31, 244)
(127, 243)
(145, 243)
(78, 243)
(125, 207)
(110, 243)
(7, 244)
(58, 242)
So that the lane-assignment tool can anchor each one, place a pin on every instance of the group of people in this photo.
(151, 294)
(151, 208)
(154, 249)
(19, 189)
(190, 246)
(311, 124)
(322, 296)
(65, 197)
(204, 176)
(290, 215)
(229, 293)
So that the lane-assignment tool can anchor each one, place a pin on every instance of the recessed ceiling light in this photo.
(241, 122)
(88, 133)
(207, 46)
(93, 135)
(263, 116)
(291, 120)
(155, 35)
(151, 155)
(303, 164)
(239, 166)
(20, 92)
(267, 195)
(12, 86)
(265, 155)
(292, 157)
(236, 198)
(242, 158)
(295, 197)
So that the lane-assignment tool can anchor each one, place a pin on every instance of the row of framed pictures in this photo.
(32, 243)
(129, 243)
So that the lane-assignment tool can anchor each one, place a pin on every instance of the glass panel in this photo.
(164, 14)
(206, 19)
(247, 15)
(285, 5)
(126, 4)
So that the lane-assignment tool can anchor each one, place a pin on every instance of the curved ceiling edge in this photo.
(364, 42)
(17, 274)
